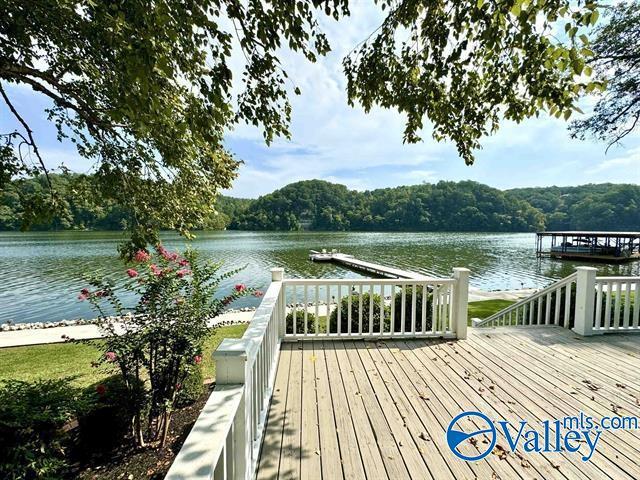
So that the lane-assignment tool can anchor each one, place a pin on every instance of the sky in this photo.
(333, 141)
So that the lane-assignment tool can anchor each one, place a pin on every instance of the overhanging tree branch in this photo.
(29, 132)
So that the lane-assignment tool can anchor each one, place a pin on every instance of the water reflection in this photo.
(41, 273)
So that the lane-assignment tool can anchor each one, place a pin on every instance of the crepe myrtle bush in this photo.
(158, 343)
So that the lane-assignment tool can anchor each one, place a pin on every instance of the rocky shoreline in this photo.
(12, 327)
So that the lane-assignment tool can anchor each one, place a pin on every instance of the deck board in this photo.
(379, 410)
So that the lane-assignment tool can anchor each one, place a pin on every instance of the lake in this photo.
(41, 273)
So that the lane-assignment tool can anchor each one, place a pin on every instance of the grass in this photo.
(486, 308)
(61, 360)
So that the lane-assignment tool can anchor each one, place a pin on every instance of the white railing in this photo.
(550, 306)
(617, 306)
(365, 308)
(597, 305)
(246, 367)
(226, 439)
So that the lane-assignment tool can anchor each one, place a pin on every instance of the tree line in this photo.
(319, 205)
(444, 206)
(81, 206)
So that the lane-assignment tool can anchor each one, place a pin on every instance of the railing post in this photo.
(461, 299)
(585, 300)
(277, 275)
(231, 359)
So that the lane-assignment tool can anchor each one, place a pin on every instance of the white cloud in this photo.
(626, 167)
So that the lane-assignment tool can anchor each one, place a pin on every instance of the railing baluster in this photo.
(295, 310)
(403, 307)
(306, 309)
(360, 309)
(547, 309)
(317, 322)
(328, 321)
(414, 292)
(616, 308)
(567, 305)
(424, 308)
(382, 303)
(434, 309)
(371, 293)
(607, 308)
(349, 310)
(539, 312)
(339, 307)
(392, 320)
(556, 315)
(598, 313)
(627, 305)
(636, 304)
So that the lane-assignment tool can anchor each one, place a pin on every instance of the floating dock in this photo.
(610, 247)
(372, 268)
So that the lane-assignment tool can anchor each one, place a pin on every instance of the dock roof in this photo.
(586, 233)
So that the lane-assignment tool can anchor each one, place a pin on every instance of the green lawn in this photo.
(486, 308)
(74, 359)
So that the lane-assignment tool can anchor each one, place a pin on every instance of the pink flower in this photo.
(84, 291)
(197, 359)
(102, 293)
(142, 256)
(82, 297)
(166, 254)
(110, 356)
(182, 272)
(101, 389)
(157, 271)
(178, 386)
(184, 262)
(132, 273)
(240, 287)
(258, 293)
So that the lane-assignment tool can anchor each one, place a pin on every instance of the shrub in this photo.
(378, 302)
(311, 321)
(397, 310)
(32, 415)
(109, 418)
(163, 338)
(192, 388)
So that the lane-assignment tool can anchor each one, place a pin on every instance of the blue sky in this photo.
(335, 142)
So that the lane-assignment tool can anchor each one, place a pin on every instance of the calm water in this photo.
(42, 273)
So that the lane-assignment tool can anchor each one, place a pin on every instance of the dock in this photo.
(353, 263)
(610, 247)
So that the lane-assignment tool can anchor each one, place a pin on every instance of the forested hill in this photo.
(445, 206)
(604, 206)
(82, 209)
(320, 205)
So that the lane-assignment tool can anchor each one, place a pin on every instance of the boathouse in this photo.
(600, 246)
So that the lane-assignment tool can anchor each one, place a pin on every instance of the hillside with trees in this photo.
(323, 206)
(604, 206)
(82, 207)
(445, 206)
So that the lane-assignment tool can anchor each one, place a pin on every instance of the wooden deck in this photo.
(379, 410)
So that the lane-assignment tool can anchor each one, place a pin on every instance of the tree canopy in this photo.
(445, 206)
(146, 91)
(320, 205)
(617, 60)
